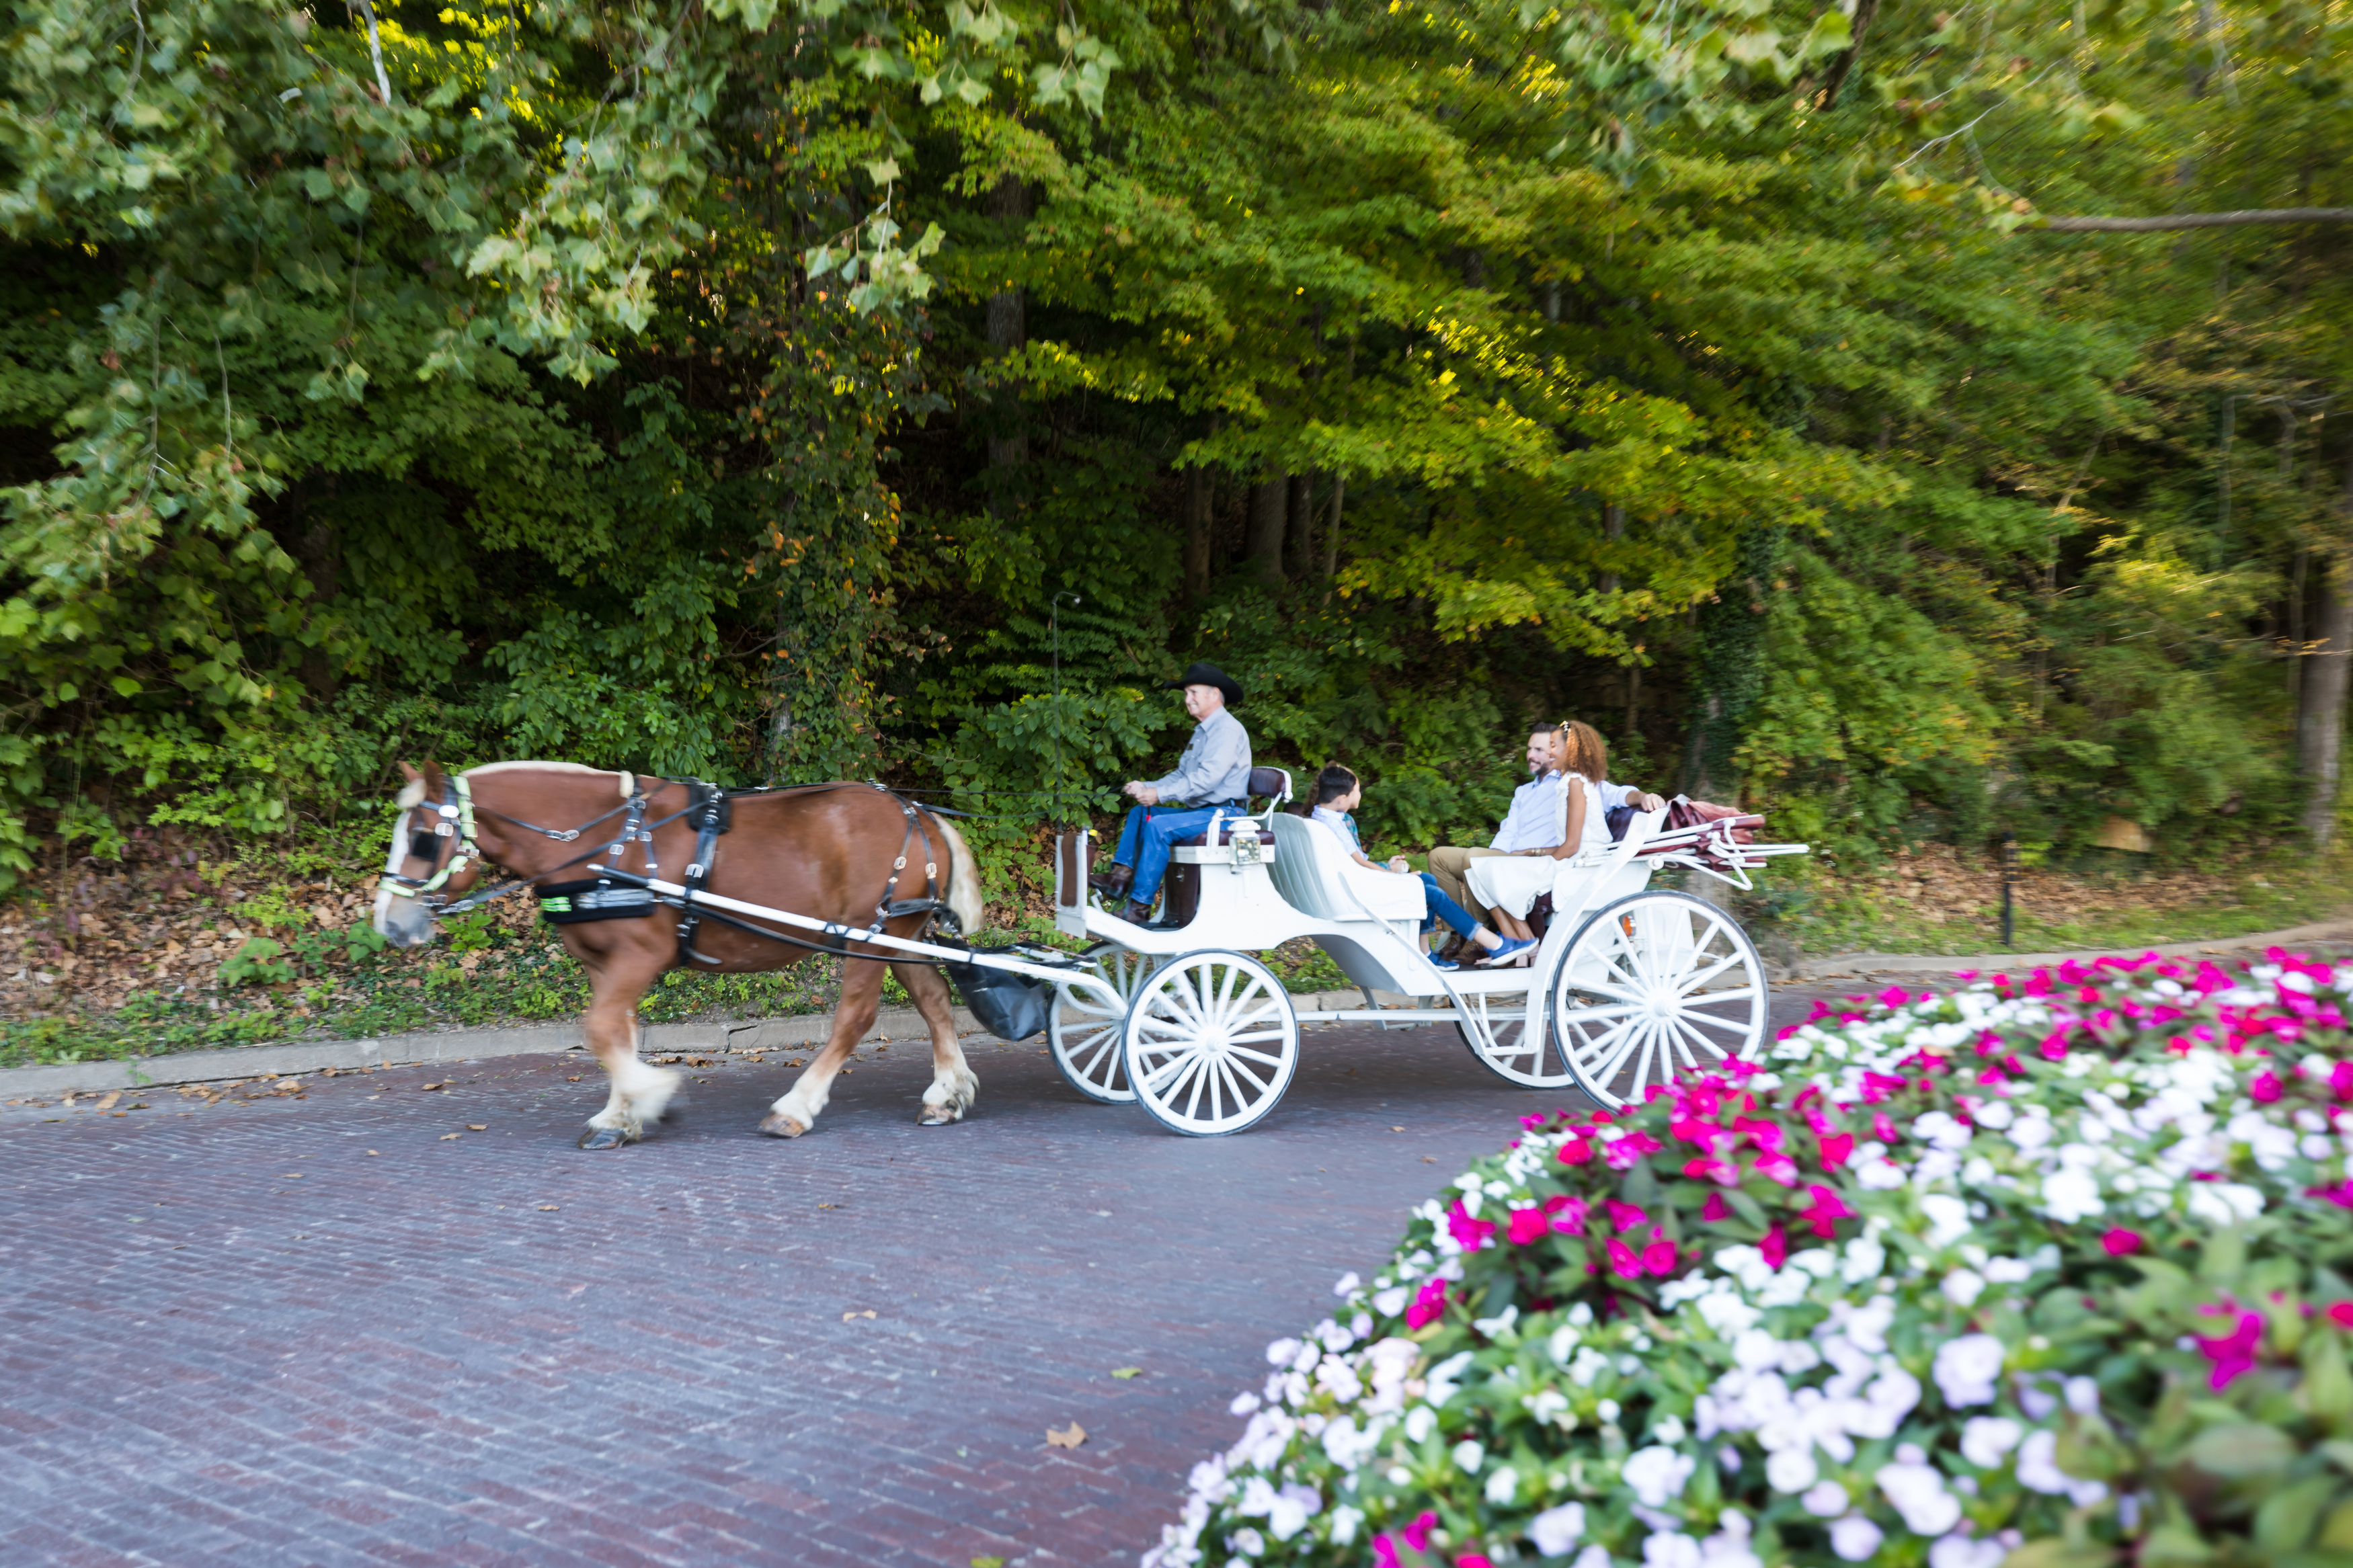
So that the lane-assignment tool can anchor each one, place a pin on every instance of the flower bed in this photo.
(2048, 1272)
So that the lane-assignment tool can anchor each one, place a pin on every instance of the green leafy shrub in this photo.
(2037, 1274)
(258, 962)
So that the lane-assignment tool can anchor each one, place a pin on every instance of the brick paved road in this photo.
(320, 1331)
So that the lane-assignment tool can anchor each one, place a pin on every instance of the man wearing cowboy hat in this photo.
(1214, 771)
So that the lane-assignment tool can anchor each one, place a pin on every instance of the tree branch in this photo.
(1864, 13)
(2196, 220)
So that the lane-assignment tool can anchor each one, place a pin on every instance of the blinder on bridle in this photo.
(455, 828)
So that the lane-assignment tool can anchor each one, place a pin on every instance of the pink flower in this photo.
(1836, 1149)
(1576, 1151)
(1828, 1208)
(2264, 1086)
(1774, 1246)
(1469, 1234)
(1882, 1128)
(2121, 1242)
(2342, 1196)
(1428, 1305)
(1474, 1559)
(1895, 996)
(1384, 1553)
(1417, 1534)
(1624, 1217)
(1659, 1256)
(1623, 1260)
(2233, 1352)
(1723, 1172)
(1567, 1213)
(2341, 1314)
(1778, 1168)
(1529, 1225)
(1624, 1151)
(2340, 1080)
(1714, 1209)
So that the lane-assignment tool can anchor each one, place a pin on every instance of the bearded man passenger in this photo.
(1533, 824)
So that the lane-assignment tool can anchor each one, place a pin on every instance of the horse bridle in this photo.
(455, 828)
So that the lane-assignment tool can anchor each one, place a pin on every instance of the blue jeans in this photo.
(1150, 833)
(1442, 908)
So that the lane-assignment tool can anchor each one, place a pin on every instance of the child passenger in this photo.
(1338, 792)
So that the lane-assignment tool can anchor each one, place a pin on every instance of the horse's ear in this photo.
(412, 792)
(411, 774)
(436, 782)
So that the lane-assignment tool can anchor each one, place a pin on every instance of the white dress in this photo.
(1512, 883)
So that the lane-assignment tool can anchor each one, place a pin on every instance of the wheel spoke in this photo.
(1692, 982)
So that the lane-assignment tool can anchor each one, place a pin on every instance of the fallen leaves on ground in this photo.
(1066, 1439)
(549, 1208)
(425, 1086)
(988, 1562)
(447, 1136)
(477, 1127)
(1125, 1373)
(108, 1103)
(847, 1316)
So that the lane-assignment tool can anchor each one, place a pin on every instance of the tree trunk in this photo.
(1303, 525)
(1332, 528)
(1859, 29)
(1009, 329)
(2320, 712)
(1269, 501)
(1199, 495)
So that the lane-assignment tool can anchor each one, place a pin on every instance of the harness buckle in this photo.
(693, 872)
(566, 836)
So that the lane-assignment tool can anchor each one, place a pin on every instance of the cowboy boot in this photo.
(1115, 883)
(1136, 913)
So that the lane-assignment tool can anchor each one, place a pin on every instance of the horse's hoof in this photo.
(938, 1116)
(603, 1138)
(776, 1124)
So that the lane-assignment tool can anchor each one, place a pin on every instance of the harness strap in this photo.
(711, 813)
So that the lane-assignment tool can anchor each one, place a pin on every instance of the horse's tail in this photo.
(963, 881)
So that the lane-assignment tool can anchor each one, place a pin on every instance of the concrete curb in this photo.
(298, 1056)
(1839, 965)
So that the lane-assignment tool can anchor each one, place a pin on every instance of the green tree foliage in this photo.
(765, 393)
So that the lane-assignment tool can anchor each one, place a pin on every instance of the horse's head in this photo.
(433, 857)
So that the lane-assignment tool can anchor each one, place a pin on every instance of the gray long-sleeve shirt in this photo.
(1215, 767)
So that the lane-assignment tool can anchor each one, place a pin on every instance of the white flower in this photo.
(1592, 1557)
(1345, 1520)
(1986, 1438)
(1244, 1402)
(1667, 1429)
(1417, 1423)
(1939, 1131)
(2034, 1129)
(1391, 1301)
(2038, 1468)
(1855, 1538)
(1728, 1548)
(1470, 1455)
(1792, 1469)
(1865, 1260)
(1555, 1530)
(1918, 1490)
(1502, 1485)
(1348, 1282)
(1961, 1551)
(2224, 1203)
(1282, 1352)
(1963, 1287)
(1670, 1549)
(2083, 1395)
(1826, 1500)
(2008, 1271)
(1292, 1507)
(1246, 1543)
(1948, 1218)
(1965, 1369)
(1995, 1114)
(1878, 1176)
(1655, 1473)
(2072, 1194)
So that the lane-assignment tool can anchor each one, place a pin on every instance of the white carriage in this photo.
(1628, 986)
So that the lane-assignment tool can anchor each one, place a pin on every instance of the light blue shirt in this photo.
(1534, 821)
(1341, 822)
(1215, 767)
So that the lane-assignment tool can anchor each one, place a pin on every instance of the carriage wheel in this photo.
(1211, 1042)
(1654, 985)
(1085, 1034)
(1526, 1052)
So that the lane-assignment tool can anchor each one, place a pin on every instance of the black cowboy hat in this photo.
(1198, 674)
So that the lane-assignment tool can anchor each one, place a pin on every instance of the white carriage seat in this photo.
(1311, 872)
(1582, 886)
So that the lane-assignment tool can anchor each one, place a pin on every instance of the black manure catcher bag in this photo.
(1010, 1007)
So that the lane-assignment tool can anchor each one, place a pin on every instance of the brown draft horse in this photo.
(825, 854)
